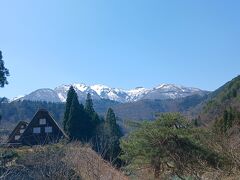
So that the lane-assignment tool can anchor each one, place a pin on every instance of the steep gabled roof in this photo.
(29, 138)
(16, 131)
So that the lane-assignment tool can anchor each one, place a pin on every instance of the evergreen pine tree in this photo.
(92, 116)
(111, 126)
(170, 140)
(75, 126)
(71, 93)
(89, 105)
(3, 72)
(3, 75)
(78, 126)
(112, 135)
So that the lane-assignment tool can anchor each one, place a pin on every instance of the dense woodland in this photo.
(136, 111)
(24, 110)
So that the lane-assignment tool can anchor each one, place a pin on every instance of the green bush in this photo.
(169, 145)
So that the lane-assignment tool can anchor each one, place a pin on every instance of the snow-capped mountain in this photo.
(137, 93)
(81, 89)
(16, 98)
(48, 95)
(105, 92)
(163, 91)
(172, 91)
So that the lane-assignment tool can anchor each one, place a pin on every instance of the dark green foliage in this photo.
(84, 124)
(111, 126)
(89, 105)
(234, 93)
(92, 116)
(230, 118)
(169, 145)
(112, 134)
(3, 72)
(78, 126)
(197, 122)
(25, 110)
(71, 93)
(220, 101)
(227, 91)
(80, 123)
(6, 156)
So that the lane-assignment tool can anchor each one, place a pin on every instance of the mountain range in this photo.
(136, 104)
(99, 92)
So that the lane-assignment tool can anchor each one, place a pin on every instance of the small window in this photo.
(22, 126)
(17, 137)
(36, 130)
(22, 130)
(42, 121)
(48, 129)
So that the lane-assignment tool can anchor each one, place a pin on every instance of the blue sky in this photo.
(120, 43)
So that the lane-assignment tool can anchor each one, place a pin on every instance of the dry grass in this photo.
(89, 165)
(59, 161)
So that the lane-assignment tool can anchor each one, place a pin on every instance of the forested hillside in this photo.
(147, 109)
(226, 98)
(140, 110)
(24, 110)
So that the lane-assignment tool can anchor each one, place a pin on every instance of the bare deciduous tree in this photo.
(89, 165)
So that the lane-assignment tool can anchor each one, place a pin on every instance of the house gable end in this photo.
(17, 132)
(41, 130)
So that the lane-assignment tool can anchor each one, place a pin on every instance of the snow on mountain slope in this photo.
(81, 89)
(48, 95)
(163, 91)
(137, 93)
(106, 92)
(17, 98)
(172, 91)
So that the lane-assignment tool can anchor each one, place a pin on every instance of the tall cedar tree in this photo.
(89, 105)
(77, 125)
(70, 95)
(3, 72)
(112, 136)
(92, 115)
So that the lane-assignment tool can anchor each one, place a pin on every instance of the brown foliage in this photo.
(89, 165)
(59, 161)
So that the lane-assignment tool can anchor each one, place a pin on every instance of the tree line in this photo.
(82, 123)
(4, 72)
